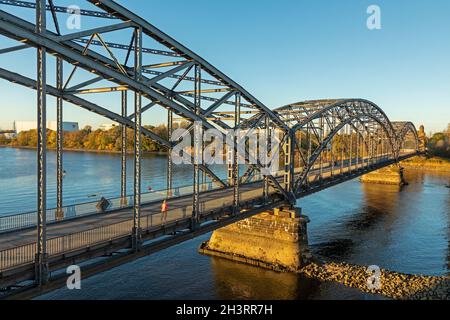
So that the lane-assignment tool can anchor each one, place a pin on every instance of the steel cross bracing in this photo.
(187, 113)
(318, 139)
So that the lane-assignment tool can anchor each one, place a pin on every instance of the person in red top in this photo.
(164, 209)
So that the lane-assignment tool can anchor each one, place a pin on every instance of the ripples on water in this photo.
(404, 230)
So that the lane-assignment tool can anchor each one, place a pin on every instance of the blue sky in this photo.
(292, 50)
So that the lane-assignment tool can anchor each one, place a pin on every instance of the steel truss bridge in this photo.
(119, 54)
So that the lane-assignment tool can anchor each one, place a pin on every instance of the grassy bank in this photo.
(424, 163)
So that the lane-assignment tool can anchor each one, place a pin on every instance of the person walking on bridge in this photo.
(164, 209)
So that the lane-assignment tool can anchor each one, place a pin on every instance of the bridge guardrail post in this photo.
(41, 269)
(136, 239)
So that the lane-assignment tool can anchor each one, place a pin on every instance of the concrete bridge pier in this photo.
(276, 240)
(392, 175)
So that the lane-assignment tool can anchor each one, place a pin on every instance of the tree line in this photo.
(439, 144)
(99, 140)
(90, 140)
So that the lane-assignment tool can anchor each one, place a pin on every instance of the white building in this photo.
(107, 126)
(52, 125)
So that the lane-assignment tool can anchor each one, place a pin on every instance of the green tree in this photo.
(4, 141)
(439, 145)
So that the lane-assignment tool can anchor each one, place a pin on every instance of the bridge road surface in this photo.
(178, 208)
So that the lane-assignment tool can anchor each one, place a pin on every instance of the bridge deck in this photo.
(178, 208)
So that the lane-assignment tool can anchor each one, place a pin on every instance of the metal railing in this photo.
(26, 220)
(19, 256)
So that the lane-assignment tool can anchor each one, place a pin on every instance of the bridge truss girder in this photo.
(350, 120)
(188, 87)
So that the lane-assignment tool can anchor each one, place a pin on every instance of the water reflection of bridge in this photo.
(323, 142)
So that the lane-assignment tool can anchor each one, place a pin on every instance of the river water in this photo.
(405, 230)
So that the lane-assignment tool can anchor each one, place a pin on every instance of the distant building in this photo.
(107, 127)
(10, 135)
(422, 138)
(52, 125)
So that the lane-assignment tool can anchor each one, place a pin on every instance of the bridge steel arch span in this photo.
(308, 111)
(181, 83)
(406, 132)
(313, 162)
(326, 119)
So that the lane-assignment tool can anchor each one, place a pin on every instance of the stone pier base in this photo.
(275, 240)
(392, 175)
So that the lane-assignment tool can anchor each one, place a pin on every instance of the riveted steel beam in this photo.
(236, 180)
(198, 151)
(137, 232)
(124, 14)
(41, 273)
(59, 138)
(123, 129)
(59, 9)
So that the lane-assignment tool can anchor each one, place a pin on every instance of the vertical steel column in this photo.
(237, 121)
(373, 148)
(332, 147)
(136, 232)
(268, 150)
(357, 149)
(366, 149)
(322, 136)
(370, 149)
(378, 144)
(59, 140)
(123, 188)
(204, 177)
(308, 128)
(363, 147)
(351, 149)
(376, 141)
(197, 151)
(332, 158)
(230, 157)
(289, 163)
(347, 144)
(342, 150)
(41, 266)
(169, 155)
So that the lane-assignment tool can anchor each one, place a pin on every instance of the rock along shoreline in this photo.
(393, 285)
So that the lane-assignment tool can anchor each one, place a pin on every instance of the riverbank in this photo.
(86, 150)
(392, 285)
(424, 163)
